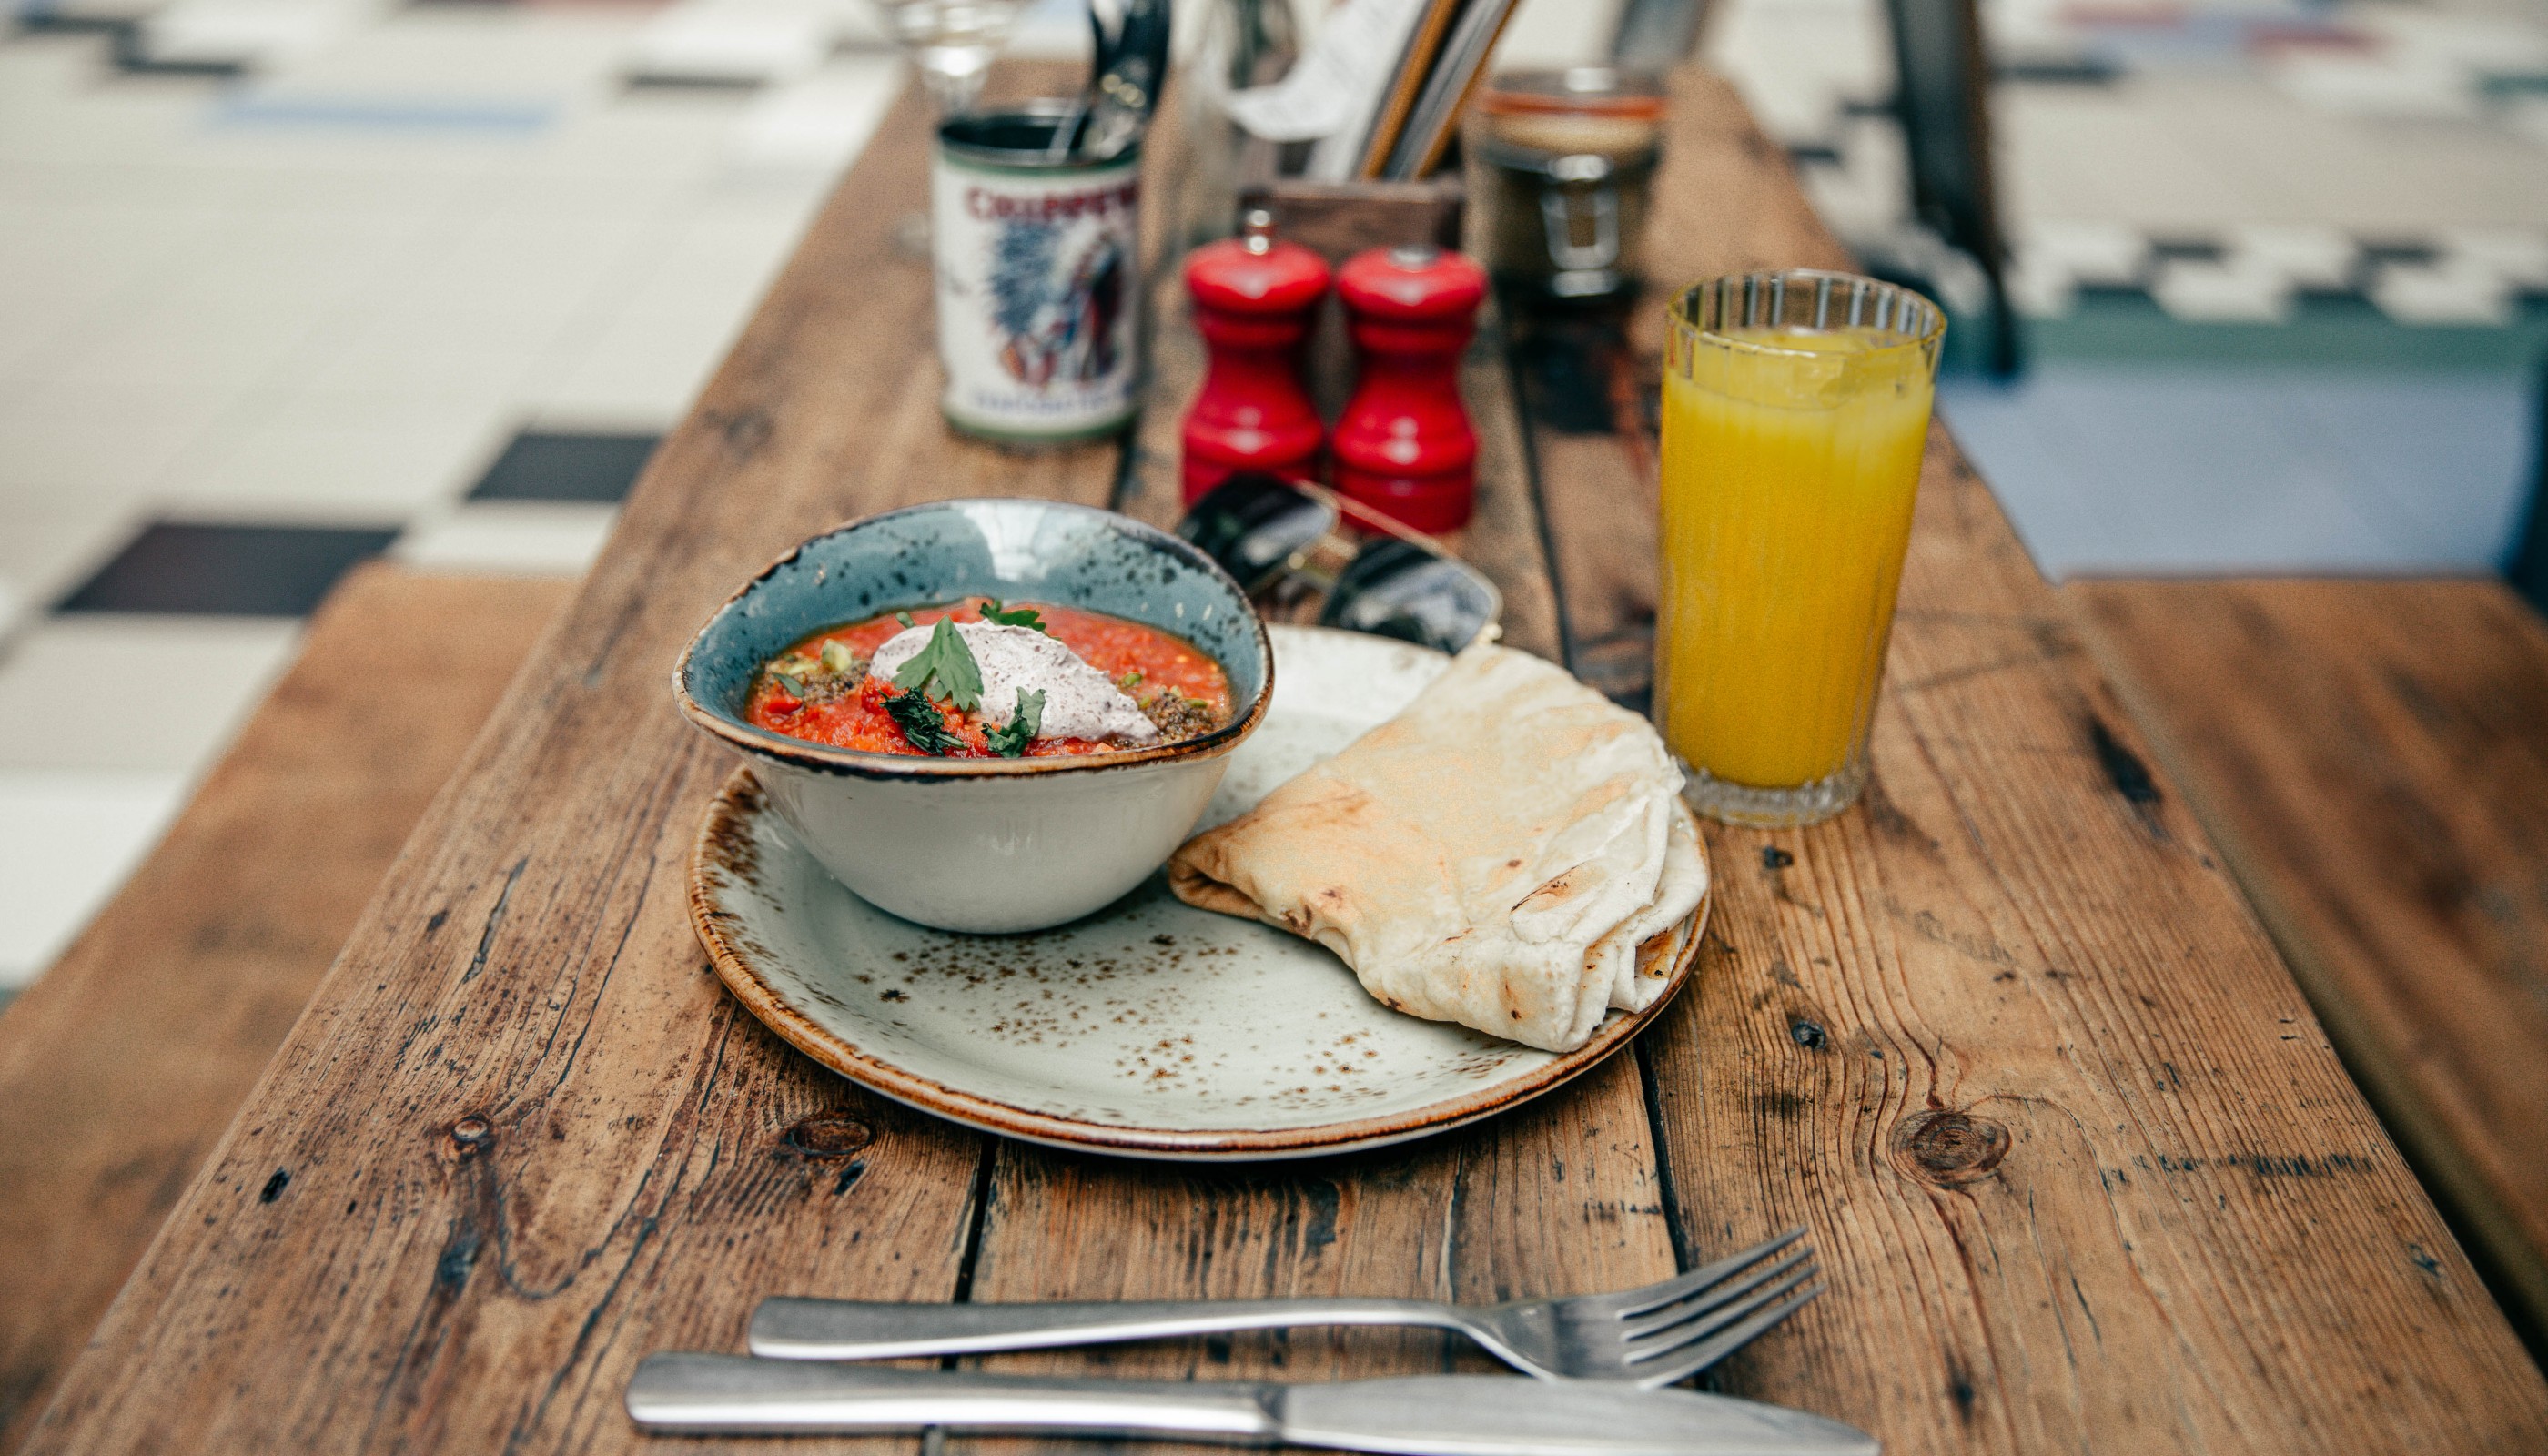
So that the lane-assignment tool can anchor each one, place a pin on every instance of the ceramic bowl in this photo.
(982, 845)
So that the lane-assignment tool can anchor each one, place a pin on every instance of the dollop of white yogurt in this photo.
(1078, 701)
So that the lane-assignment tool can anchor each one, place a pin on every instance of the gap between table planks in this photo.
(529, 1142)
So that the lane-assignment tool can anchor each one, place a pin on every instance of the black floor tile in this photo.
(559, 465)
(132, 60)
(219, 570)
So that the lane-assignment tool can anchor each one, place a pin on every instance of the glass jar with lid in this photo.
(1561, 162)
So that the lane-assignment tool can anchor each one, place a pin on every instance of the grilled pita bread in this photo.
(1510, 853)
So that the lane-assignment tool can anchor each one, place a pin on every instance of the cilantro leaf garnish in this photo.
(944, 668)
(1010, 739)
(1019, 616)
(921, 723)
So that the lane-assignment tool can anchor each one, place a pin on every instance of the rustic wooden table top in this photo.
(2083, 1171)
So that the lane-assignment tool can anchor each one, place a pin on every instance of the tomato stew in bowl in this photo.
(994, 828)
(822, 688)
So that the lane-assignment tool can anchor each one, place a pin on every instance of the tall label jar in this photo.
(1038, 279)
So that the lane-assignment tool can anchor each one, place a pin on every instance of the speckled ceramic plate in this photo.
(1149, 1029)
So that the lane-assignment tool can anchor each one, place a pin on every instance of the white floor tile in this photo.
(821, 121)
(181, 345)
(661, 138)
(56, 538)
(346, 453)
(729, 43)
(104, 442)
(531, 538)
(2518, 255)
(2097, 253)
(2448, 292)
(2528, 117)
(67, 268)
(244, 33)
(68, 841)
(58, 690)
(2236, 290)
(2039, 288)
(2304, 255)
(465, 50)
(2378, 85)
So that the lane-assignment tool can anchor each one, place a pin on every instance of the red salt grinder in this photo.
(1253, 300)
(1405, 446)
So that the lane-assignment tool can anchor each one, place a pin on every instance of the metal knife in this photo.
(1422, 1416)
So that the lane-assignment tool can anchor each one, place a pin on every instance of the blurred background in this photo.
(288, 284)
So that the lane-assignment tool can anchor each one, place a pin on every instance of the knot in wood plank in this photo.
(829, 1135)
(471, 1135)
(1948, 1149)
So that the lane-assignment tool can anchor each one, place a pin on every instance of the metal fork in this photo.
(1651, 1337)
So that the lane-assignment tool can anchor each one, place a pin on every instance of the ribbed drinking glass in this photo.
(1795, 409)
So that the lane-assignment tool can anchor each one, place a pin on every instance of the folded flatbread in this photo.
(1496, 855)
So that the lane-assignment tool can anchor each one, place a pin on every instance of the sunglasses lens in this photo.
(1253, 524)
(1396, 589)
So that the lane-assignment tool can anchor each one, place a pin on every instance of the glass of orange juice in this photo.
(1796, 407)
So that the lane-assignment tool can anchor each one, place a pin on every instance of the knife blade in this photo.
(1419, 1415)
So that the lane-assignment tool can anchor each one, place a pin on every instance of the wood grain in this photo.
(1559, 1197)
(1536, 1203)
(2004, 1036)
(2371, 759)
(2085, 1171)
(121, 1064)
(527, 1137)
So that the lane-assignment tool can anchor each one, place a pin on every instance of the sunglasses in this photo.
(1284, 542)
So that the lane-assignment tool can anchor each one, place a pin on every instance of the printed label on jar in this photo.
(1037, 296)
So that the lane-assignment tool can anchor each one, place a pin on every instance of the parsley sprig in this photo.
(1010, 739)
(921, 723)
(944, 668)
(1019, 616)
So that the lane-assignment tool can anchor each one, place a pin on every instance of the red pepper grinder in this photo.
(1253, 300)
(1405, 446)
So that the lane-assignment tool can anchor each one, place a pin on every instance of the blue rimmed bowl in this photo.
(986, 845)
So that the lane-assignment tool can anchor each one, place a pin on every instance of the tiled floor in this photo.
(2111, 467)
(305, 278)
(284, 292)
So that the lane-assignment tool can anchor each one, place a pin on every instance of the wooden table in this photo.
(2081, 1166)
(120, 1066)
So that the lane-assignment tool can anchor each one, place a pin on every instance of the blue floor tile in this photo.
(2121, 467)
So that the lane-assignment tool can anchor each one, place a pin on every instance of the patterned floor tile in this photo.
(221, 569)
(566, 465)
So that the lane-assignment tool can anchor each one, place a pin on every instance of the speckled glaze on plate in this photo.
(1148, 1029)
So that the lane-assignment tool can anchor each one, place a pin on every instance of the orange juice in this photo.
(1790, 461)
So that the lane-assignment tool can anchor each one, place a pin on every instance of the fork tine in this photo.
(1707, 1352)
(1674, 1291)
(1660, 1347)
(1707, 1300)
